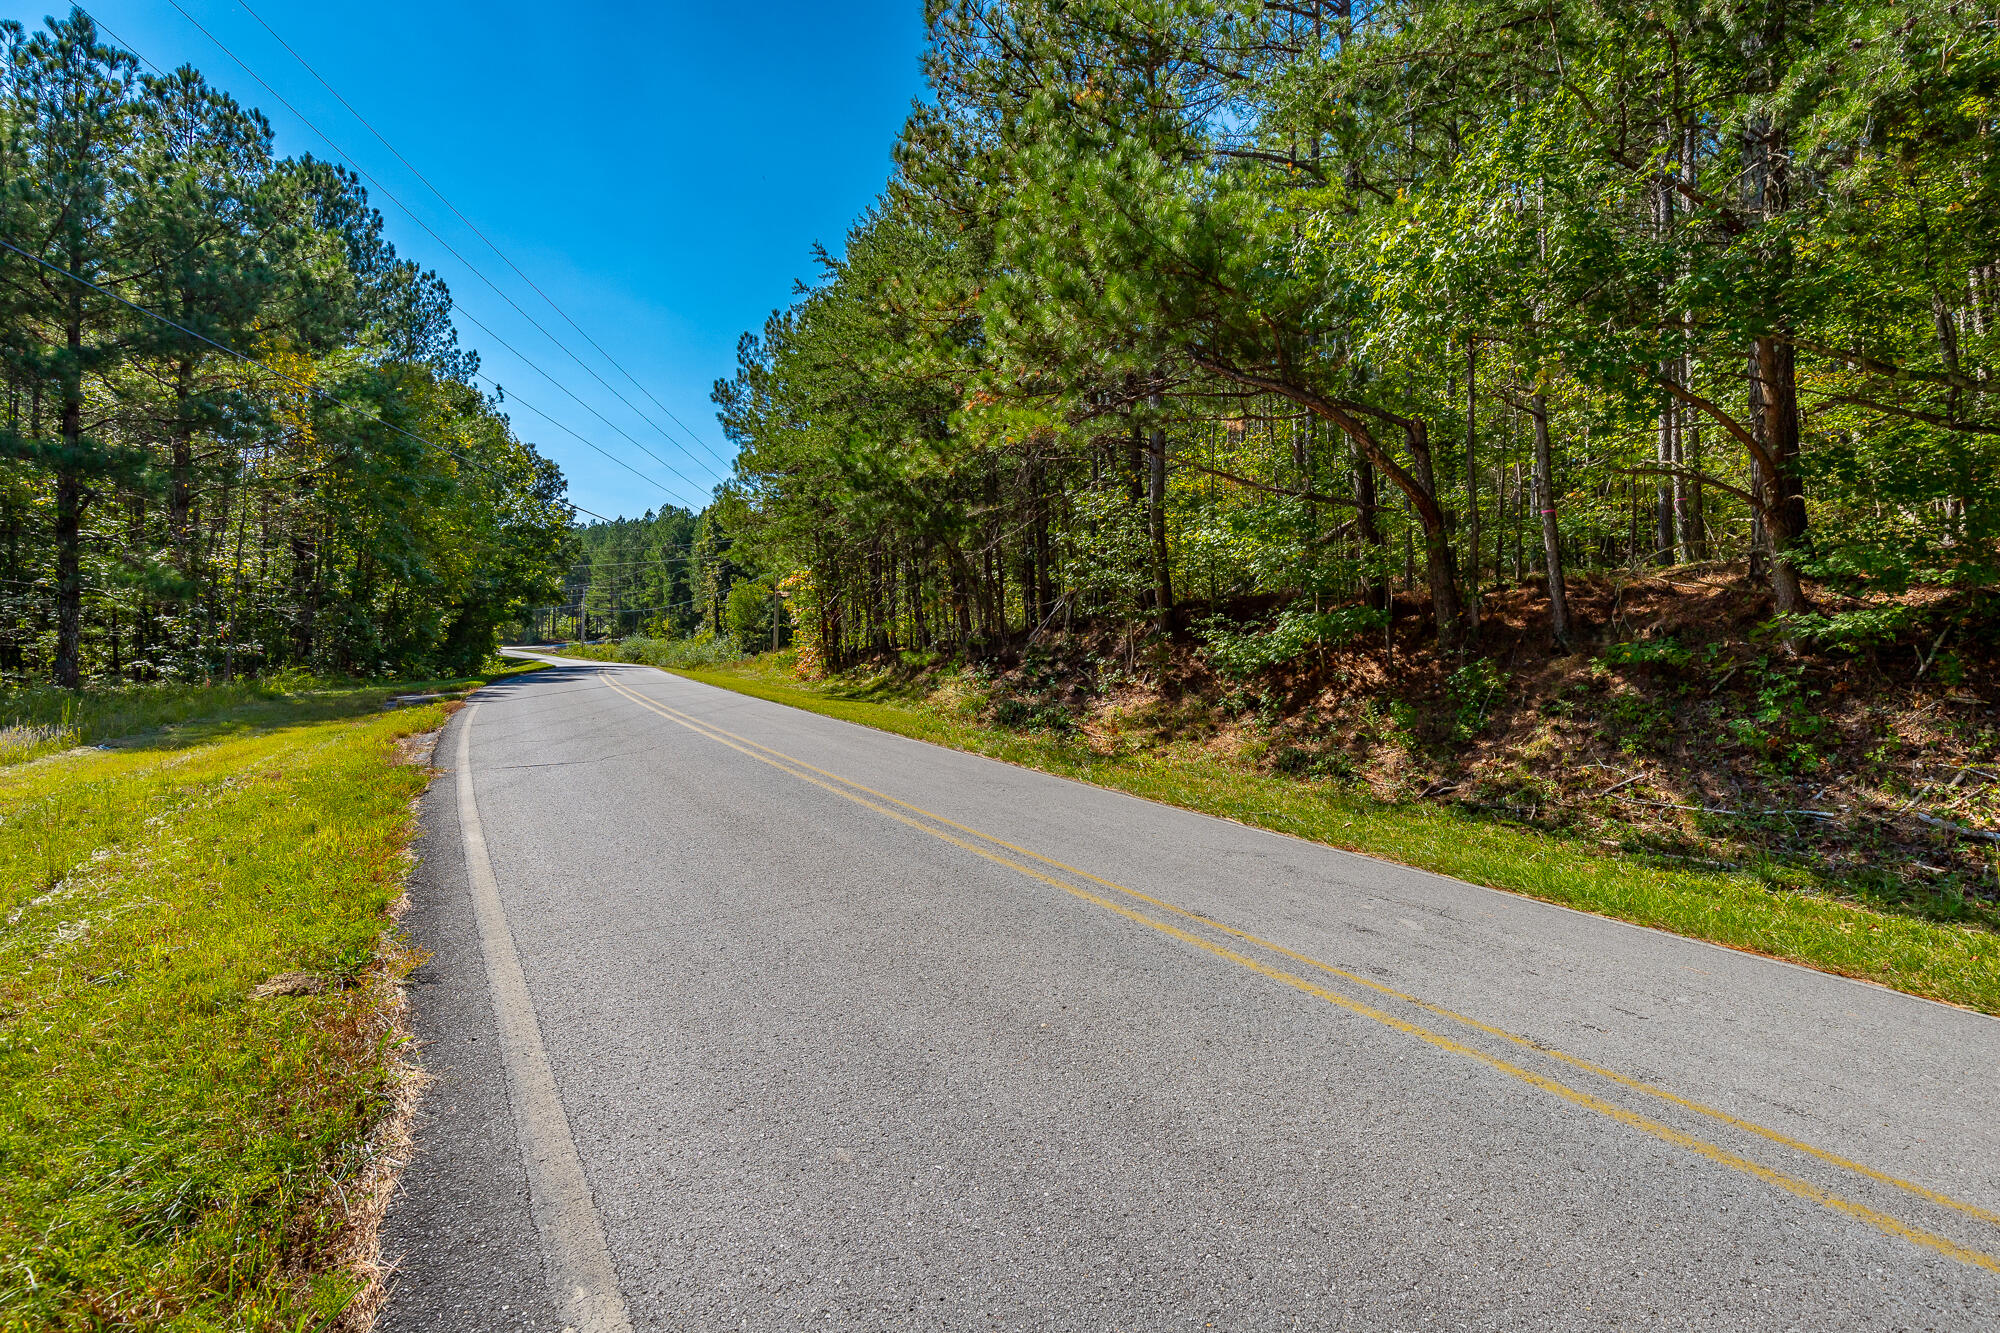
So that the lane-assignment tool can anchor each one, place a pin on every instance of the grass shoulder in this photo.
(1954, 961)
(177, 1148)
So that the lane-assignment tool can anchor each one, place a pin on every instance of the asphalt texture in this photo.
(832, 1061)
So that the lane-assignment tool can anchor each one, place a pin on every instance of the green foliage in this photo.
(361, 509)
(1158, 293)
(1663, 652)
(1783, 727)
(699, 650)
(1473, 690)
(1294, 631)
(1017, 714)
(169, 1144)
(750, 608)
(1637, 722)
(1850, 630)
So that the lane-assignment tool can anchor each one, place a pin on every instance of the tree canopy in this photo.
(239, 432)
(1174, 303)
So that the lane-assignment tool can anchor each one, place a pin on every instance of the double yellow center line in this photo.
(1037, 867)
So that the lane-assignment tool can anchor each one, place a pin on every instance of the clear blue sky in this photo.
(661, 170)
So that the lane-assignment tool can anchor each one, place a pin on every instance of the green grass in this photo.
(1955, 962)
(170, 1147)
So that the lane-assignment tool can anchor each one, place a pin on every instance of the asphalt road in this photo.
(745, 1018)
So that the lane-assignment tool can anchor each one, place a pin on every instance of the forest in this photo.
(1311, 315)
(239, 433)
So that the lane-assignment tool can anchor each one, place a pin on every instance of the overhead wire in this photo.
(482, 326)
(664, 489)
(309, 387)
(474, 229)
(470, 267)
(651, 481)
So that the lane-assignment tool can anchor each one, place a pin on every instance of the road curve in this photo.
(811, 1025)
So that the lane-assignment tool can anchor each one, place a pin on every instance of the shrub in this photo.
(1852, 630)
(1239, 655)
(1647, 652)
(1473, 688)
(702, 650)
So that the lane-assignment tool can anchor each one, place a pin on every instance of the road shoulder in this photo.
(459, 1227)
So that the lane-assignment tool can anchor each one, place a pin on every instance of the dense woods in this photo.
(667, 574)
(239, 433)
(1340, 312)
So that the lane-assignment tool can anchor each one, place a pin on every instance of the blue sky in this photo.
(660, 170)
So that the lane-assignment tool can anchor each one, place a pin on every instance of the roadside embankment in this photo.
(1957, 961)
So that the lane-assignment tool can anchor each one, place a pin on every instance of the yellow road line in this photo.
(1625, 1080)
(1804, 1189)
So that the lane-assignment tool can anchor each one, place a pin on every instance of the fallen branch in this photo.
(1743, 814)
(1929, 657)
(1985, 835)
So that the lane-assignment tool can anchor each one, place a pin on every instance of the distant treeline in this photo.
(669, 575)
(351, 504)
(1173, 306)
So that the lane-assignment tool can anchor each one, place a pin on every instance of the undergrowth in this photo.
(700, 651)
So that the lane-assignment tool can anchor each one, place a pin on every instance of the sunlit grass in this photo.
(169, 1144)
(1956, 962)
(38, 720)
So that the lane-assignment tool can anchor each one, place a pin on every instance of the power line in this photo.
(310, 388)
(430, 231)
(578, 401)
(470, 226)
(588, 563)
(664, 489)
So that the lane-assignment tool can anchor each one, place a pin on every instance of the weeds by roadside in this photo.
(180, 1149)
(675, 654)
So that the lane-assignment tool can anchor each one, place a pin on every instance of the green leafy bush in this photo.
(1473, 689)
(1238, 655)
(702, 650)
(1852, 629)
(1664, 651)
(750, 615)
(1022, 715)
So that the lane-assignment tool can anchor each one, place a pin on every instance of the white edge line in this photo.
(581, 1277)
(1513, 895)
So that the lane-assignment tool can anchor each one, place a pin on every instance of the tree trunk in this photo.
(1545, 500)
(69, 571)
(1418, 483)
(1156, 524)
(1440, 564)
(1472, 485)
(1666, 453)
(1785, 516)
(959, 572)
(180, 486)
(1368, 523)
(69, 523)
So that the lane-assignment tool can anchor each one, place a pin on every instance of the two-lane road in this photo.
(741, 1017)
